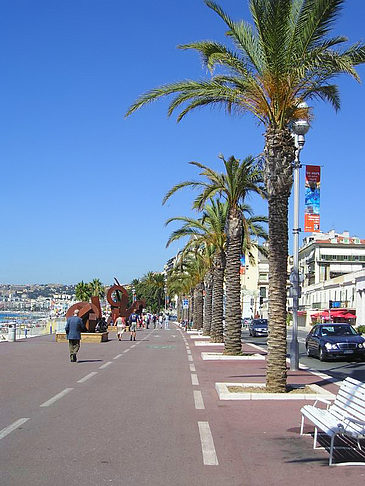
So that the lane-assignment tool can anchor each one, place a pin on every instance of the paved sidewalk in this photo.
(265, 433)
(147, 413)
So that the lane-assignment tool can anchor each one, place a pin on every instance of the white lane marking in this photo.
(56, 397)
(126, 350)
(198, 400)
(117, 356)
(192, 367)
(133, 346)
(188, 351)
(105, 365)
(10, 428)
(208, 449)
(85, 378)
(194, 379)
(190, 358)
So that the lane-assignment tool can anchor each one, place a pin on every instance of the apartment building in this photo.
(333, 268)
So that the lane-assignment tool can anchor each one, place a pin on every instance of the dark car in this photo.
(258, 327)
(338, 340)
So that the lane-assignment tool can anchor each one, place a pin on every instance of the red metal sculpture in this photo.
(117, 296)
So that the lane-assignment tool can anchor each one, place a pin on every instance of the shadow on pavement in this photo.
(88, 360)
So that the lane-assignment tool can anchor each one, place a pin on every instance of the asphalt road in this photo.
(337, 369)
(128, 413)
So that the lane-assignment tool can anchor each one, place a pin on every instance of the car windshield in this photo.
(340, 330)
(260, 323)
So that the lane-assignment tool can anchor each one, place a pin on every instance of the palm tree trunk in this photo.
(232, 342)
(198, 305)
(191, 307)
(279, 155)
(207, 322)
(178, 308)
(216, 332)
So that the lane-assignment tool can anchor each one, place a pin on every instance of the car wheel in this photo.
(253, 334)
(309, 354)
(322, 354)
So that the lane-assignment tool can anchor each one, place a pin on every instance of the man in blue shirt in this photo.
(133, 321)
(73, 329)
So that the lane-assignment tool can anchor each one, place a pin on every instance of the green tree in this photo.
(150, 288)
(209, 232)
(233, 185)
(83, 291)
(285, 57)
(97, 288)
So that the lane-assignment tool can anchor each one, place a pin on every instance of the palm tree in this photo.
(209, 232)
(286, 56)
(97, 288)
(83, 291)
(239, 180)
(193, 265)
(151, 289)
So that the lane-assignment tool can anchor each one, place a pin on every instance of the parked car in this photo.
(245, 322)
(258, 327)
(339, 340)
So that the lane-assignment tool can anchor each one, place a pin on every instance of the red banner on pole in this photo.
(312, 198)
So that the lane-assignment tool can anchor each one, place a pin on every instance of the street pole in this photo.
(294, 347)
(300, 128)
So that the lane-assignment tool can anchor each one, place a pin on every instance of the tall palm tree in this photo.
(286, 56)
(239, 180)
(209, 232)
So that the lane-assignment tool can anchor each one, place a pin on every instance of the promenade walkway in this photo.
(147, 413)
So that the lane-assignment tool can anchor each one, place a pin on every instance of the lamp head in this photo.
(301, 127)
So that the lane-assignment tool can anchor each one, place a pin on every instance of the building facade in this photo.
(333, 269)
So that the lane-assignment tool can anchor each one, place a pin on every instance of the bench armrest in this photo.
(322, 400)
(354, 420)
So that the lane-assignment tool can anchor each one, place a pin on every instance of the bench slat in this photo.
(354, 408)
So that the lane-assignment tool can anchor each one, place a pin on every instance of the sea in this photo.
(21, 317)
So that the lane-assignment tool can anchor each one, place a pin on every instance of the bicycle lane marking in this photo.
(10, 428)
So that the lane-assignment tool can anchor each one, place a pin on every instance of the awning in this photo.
(348, 315)
(344, 313)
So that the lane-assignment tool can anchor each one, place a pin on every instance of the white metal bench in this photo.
(344, 417)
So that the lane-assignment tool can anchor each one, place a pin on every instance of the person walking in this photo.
(167, 322)
(133, 321)
(154, 319)
(121, 325)
(160, 320)
(74, 326)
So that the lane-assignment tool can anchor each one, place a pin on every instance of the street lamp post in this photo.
(300, 128)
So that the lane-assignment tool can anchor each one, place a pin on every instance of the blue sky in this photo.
(81, 185)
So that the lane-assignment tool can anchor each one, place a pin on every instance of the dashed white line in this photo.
(188, 351)
(117, 356)
(126, 350)
(10, 428)
(85, 378)
(133, 346)
(105, 365)
(56, 397)
(190, 358)
(192, 367)
(208, 449)
(198, 400)
(194, 379)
